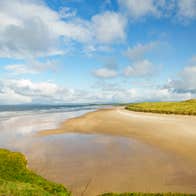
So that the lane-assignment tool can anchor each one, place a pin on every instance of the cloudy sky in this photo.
(65, 51)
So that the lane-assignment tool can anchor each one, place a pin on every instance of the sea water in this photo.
(18, 121)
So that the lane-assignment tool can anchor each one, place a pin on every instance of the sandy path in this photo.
(175, 133)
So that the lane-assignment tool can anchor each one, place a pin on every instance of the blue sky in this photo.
(78, 51)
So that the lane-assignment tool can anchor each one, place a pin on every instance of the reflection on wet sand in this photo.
(96, 164)
(91, 164)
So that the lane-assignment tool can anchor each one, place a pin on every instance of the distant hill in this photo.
(190, 100)
(187, 107)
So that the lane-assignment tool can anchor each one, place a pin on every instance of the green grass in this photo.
(184, 107)
(147, 194)
(17, 180)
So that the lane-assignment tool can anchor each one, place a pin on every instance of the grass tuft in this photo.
(17, 180)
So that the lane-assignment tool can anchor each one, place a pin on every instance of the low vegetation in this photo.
(17, 180)
(148, 194)
(184, 107)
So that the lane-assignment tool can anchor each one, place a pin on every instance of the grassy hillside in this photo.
(17, 180)
(184, 107)
(148, 194)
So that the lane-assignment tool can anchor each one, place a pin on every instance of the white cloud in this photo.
(105, 91)
(179, 9)
(118, 93)
(185, 82)
(187, 9)
(93, 48)
(105, 73)
(109, 27)
(31, 67)
(19, 69)
(26, 32)
(182, 87)
(26, 91)
(109, 70)
(139, 50)
(140, 69)
(140, 8)
(66, 12)
(31, 28)
(193, 60)
(9, 96)
(161, 94)
(31, 39)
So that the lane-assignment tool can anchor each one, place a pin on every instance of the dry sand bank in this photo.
(171, 132)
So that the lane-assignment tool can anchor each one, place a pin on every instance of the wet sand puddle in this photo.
(91, 164)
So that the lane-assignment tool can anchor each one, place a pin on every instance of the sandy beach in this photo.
(108, 150)
(116, 150)
(174, 133)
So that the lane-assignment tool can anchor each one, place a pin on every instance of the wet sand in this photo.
(91, 164)
(114, 150)
(174, 133)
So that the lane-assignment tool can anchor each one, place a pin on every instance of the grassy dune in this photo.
(184, 107)
(17, 180)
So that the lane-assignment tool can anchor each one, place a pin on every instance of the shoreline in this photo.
(174, 133)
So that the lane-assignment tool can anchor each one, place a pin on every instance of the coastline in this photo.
(175, 133)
